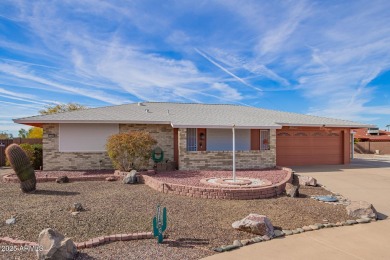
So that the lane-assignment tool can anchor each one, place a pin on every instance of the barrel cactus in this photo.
(21, 164)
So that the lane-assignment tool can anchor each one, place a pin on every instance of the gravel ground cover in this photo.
(192, 178)
(195, 225)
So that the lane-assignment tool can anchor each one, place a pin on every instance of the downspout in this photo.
(234, 154)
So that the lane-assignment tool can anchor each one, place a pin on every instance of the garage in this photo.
(309, 147)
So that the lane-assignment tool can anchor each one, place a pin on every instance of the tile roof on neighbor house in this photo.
(363, 135)
(190, 115)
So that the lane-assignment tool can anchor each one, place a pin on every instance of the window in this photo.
(85, 137)
(264, 139)
(191, 139)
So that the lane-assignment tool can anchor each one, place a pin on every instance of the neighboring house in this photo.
(196, 136)
(372, 135)
(372, 140)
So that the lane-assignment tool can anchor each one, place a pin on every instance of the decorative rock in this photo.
(74, 213)
(229, 247)
(307, 181)
(237, 243)
(245, 242)
(62, 179)
(130, 178)
(55, 245)
(266, 238)
(344, 223)
(287, 232)
(326, 198)
(307, 228)
(111, 178)
(328, 225)
(77, 207)
(218, 249)
(258, 239)
(314, 227)
(291, 190)
(10, 221)
(319, 225)
(363, 220)
(352, 221)
(300, 230)
(256, 224)
(358, 209)
(339, 224)
(278, 233)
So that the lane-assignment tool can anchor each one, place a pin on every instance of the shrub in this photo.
(34, 153)
(131, 150)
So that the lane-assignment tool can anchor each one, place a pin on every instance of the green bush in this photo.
(130, 150)
(34, 153)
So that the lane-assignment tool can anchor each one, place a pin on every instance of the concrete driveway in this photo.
(364, 179)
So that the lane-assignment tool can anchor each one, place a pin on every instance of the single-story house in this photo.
(196, 136)
(372, 135)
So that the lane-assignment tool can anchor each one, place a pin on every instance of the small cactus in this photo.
(21, 164)
(160, 224)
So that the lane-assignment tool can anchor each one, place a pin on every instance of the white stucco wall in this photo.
(85, 137)
(221, 139)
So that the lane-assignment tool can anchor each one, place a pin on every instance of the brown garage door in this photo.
(308, 147)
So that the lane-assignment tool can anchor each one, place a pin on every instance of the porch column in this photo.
(234, 154)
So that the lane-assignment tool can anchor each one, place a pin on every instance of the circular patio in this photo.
(267, 183)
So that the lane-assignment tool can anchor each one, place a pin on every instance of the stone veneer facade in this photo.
(222, 160)
(54, 160)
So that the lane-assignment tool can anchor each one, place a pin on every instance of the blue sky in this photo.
(326, 58)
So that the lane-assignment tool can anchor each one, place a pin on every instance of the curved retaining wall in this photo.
(219, 193)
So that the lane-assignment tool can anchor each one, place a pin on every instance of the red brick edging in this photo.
(90, 243)
(219, 193)
(12, 178)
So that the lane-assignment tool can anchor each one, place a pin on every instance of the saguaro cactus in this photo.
(21, 164)
(160, 224)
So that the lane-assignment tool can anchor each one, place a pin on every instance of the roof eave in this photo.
(326, 125)
(30, 122)
(227, 126)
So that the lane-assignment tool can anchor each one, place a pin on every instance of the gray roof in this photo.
(188, 115)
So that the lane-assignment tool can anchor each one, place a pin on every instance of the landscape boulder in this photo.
(62, 179)
(55, 246)
(307, 181)
(77, 207)
(131, 177)
(256, 224)
(359, 209)
(291, 190)
(111, 178)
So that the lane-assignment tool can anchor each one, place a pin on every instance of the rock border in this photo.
(235, 193)
(281, 233)
(12, 178)
(93, 242)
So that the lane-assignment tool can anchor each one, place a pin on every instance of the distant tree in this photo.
(35, 132)
(23, 133)
(4, 135)
(60, 108)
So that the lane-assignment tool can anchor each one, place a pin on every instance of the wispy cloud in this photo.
(318, 57)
